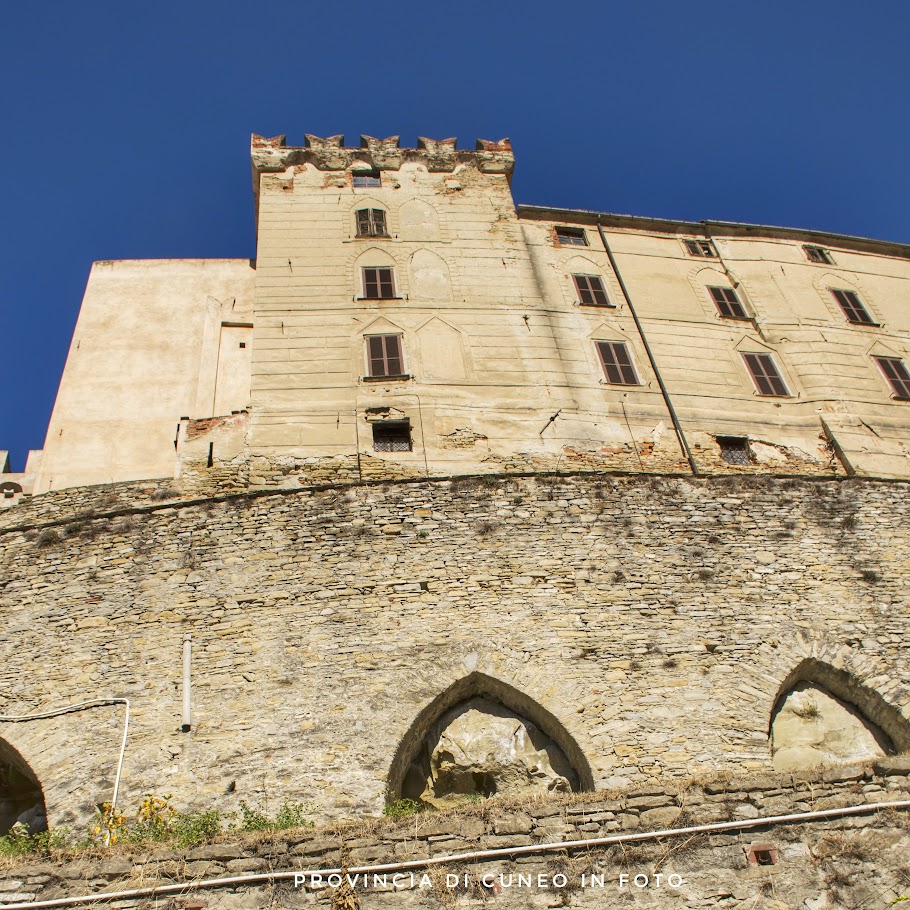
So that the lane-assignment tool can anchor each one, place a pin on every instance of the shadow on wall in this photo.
(481, 737)
(823, 716)
(21, 798)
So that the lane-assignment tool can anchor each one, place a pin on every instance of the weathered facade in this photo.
(611, 500)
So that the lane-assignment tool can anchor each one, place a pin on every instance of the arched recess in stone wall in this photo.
(479, 692)
(823, 714)
(21, 796)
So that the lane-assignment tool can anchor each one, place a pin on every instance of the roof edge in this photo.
(735, 228)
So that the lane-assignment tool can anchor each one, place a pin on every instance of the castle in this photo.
(440, 497)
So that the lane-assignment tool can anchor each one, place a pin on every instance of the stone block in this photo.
(513, 823)
(656, 819)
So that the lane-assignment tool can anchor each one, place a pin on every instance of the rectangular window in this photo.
(765, 375)
(366, 179)
(735, 449)
(571, 236)
(591, 290)
(617, 364)
(378, 284)
(818, 254)
(702, 248)
(384, 355)
(897, 375)
(392, 436)
(371, 223)
(728, 303)
(853, 307)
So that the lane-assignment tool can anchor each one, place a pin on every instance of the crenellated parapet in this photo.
(270, 155)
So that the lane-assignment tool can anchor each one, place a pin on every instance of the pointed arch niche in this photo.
(824, 716)
(481, 736)
(21, 797)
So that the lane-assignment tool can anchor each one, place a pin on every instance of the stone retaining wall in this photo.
(654, 619)
(854, 857)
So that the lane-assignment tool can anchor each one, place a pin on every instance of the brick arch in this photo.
(846, 671)
(475, 685)
(20, 791)
(845, 686)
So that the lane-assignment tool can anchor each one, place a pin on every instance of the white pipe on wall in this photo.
(187, 697)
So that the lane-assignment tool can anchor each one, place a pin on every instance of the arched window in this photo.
(21, 798)
(372, 223)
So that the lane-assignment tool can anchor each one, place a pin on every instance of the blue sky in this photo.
(126, 125)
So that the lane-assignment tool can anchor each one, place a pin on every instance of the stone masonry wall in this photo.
(825, 862)
(654, 620)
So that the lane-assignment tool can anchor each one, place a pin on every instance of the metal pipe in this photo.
(680, 435)
(498, 853)
(187, 697)
(56, 712)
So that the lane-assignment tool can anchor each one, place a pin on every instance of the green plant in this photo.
(403, 808)
(110, 824)
(294, 815)
(18, 842)
(195, 827)
(154, 818)
(253, 820)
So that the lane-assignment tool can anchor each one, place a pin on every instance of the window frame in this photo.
(379, 282)
(717, 291)
(622, 370)
(900, 384)
(384, 357)
(817, 254)
(366, 180)
(735, 444)
(700, 249)
(389, 425)
(579, 236)
(371, 223)
(591, 290)
(766, 359)
(851, 307)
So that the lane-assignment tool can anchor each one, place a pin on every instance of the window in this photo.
(571, 236)
(853, 307)
(365, 179)
(765, 375)
(591, 290)
(702, 248)
(818, 254)
(384, 355)
(392, 436)
(728, 303)
(735, 449)
(617, 364)
(378, 284)
(371, 223)
(897, 375)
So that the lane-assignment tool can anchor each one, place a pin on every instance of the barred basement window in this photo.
(371, 223)
(366, 179)
(701, 248)
(571, 236)
(384, 355)
(735, 449)
(728, 303)
(853, 307)
(616, 362)
(897, 375)
(392, 436)
(765, 375)
(818, 254)
(378, 284)
(591, 290)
